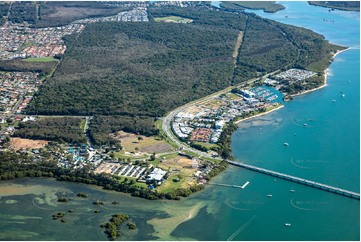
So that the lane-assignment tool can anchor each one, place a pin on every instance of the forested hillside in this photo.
(266, 6)
(54, 129)
(140, 70)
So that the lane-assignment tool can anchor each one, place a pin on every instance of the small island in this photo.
(59, 215)
(112, 228)
(63, 199)
(82, 194)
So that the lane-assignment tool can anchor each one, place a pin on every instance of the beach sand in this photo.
(165, 226)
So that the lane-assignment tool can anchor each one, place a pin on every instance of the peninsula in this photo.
(340, 5)
(90, 99)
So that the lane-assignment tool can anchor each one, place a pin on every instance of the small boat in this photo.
(288, 224)
(269, 195)
(305, 124)
(349, 81)
(285, 144)
(292, 190)
(333, 100)
(343, 95)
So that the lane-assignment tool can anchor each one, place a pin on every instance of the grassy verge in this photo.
(41, 59)
(158, 124)
(82, 124)
(208, 146)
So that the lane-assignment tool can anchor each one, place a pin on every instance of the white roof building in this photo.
(157, 174)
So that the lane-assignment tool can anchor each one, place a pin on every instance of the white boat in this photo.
(292, 190)
(285, 144)
(305, 124)
(288, 224)
(269, 195)
(343, 95)
(333, 100)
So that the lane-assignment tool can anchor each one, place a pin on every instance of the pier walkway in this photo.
(317, 185)
(225, 185)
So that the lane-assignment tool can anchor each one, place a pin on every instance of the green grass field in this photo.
(173, 19)
(206, 145)
(41, 59)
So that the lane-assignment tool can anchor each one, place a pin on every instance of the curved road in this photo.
(166, 121)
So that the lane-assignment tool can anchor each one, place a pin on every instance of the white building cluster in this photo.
(20, 41)
(197, 125)
(294, 75)
(138, 14)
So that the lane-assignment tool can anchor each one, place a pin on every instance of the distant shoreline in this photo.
(324, 76)
(332, 7)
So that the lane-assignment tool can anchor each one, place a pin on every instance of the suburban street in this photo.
(166, 121)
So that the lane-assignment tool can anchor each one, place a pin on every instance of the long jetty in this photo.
(305, 182)
(224, 185)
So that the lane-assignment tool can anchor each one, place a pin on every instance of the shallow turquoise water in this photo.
(326, 150)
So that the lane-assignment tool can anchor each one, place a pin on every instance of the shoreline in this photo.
(301, 93)
(324, 76)
(260, 114)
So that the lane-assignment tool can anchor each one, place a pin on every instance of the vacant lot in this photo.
(19, 143)
(107, 168)
(180, 168)
(140, 143)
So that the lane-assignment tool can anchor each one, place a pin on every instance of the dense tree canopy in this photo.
(138, 69)
(144, 70)
(55, 129)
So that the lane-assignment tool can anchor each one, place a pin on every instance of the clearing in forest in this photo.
(173, 19)
(238, 44)
(19, 143)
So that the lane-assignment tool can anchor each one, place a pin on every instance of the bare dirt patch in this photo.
(19, 143)
(157, 148)
(180, 163)
(107, 168)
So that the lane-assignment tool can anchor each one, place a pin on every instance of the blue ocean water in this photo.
(321, 127)
(324, 145)
(323, 132)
